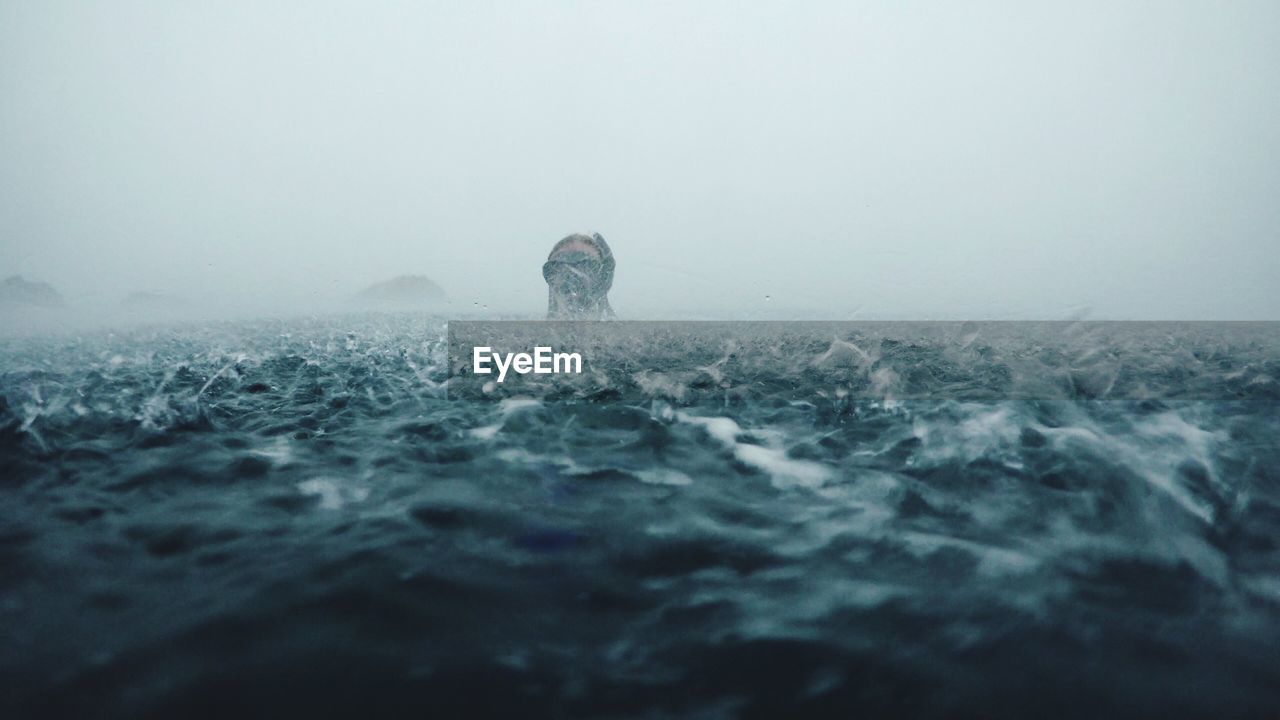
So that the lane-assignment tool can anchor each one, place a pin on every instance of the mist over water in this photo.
(828, 160)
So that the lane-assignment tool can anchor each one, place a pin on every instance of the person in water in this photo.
(579, 273)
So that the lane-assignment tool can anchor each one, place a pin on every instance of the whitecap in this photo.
(773, 460)
(333, 494)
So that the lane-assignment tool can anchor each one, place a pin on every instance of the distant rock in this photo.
(403, 291)
(17, 290)
(152, 301)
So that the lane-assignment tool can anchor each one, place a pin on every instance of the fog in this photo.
(824, 159)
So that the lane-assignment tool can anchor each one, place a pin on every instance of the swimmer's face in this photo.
(579, 273)
(575, 274)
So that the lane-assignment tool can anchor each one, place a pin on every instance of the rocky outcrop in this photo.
(17, 291)
(403, 291)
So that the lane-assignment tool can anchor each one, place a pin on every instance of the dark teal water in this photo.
(294, 518)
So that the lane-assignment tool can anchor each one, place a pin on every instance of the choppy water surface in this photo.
(289, 517)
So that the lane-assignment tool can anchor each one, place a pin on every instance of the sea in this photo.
(326, 517)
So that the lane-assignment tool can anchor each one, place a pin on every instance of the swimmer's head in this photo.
(579, 273)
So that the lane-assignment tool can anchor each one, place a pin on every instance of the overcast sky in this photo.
(838, 159)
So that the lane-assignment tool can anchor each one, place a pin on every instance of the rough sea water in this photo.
(298, 518)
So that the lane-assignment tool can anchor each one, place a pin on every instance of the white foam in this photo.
(486, 432)
(333, 494)
(663, 476)
(773, 460)
(993, 561)
(507, 408)
(1153, 451)
(279, 452)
